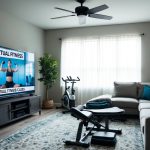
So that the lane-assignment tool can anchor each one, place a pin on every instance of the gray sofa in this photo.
(133, 99)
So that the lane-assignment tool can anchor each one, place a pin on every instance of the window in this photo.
(29, 65)
(29, 69)
(100, 61)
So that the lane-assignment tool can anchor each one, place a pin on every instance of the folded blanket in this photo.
(99, 102)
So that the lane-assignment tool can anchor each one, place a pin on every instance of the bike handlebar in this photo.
(78, 78)
(65, 80)
(69, 78)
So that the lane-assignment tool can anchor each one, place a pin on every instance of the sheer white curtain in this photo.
(100, 61)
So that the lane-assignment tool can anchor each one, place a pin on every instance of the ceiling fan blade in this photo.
(64, 9)
(62, 17)
(99, 16)
(97, 9)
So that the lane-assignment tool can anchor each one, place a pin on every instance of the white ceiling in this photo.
(39, 12)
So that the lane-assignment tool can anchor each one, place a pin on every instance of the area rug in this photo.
(50, 132)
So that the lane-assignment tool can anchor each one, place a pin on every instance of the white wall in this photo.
(53, 44)
(17, 34)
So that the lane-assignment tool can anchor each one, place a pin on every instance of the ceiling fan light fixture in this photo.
(82, 19)
(82, 11)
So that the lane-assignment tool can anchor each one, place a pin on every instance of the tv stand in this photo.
(15, 108)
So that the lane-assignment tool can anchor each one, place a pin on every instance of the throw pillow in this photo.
(146, 92)
(125, 89)
(141, 88)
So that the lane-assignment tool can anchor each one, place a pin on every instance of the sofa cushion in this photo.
(124, 102)
(123, 89)
(144, 106)
(131, 111)
(144, 101)
(144, 113)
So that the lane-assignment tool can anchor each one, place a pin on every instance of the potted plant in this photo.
(49, 75)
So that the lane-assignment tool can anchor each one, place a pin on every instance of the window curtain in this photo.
(100, 61)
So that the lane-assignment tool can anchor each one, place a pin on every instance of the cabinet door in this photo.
(4, 113)
(35, 105)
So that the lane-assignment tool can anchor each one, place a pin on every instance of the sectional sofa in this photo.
(134, 98)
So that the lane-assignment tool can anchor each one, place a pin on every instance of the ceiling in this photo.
(39, 12)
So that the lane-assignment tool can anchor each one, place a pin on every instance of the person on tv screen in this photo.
(9, 74)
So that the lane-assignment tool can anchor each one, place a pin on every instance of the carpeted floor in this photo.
(49, 134)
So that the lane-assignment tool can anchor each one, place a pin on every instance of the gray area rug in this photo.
(49, 134)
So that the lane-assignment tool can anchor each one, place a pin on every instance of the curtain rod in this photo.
(142, 34)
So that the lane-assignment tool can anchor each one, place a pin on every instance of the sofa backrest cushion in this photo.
(141, 88)
(125, 89)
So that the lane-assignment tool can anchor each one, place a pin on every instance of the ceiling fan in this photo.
(83, 11)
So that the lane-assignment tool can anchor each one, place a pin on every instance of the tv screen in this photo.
(16, 72)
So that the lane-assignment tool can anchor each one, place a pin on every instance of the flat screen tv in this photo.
(17, 75)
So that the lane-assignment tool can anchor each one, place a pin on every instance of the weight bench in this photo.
(103, 135)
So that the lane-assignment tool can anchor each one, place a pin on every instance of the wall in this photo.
(17, 34)
(53, 44)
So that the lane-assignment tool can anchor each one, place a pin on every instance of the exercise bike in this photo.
(68, 98)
